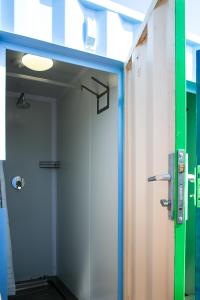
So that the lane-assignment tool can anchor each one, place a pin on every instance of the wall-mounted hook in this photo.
(99, 96)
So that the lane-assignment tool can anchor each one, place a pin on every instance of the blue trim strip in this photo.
(25, 44)
(3, 254)
(120, 184)
(101, 8)
(192, 44)
(191, 87)
(28, 45)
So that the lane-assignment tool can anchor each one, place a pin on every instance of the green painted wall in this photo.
(190, 225)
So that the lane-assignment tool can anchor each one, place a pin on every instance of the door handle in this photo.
(169, 177)
(165, 203)
(162, 177)
(182, 205)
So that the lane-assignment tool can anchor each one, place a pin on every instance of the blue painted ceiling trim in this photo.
(92, 6)
(99, 7)
(134, 21)
(192, 44)
(69, 55)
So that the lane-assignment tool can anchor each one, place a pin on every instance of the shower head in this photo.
(21, 102)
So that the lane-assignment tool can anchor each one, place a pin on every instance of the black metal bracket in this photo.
(99, 96)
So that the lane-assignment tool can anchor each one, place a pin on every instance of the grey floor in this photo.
(45, 293)
(43, 288)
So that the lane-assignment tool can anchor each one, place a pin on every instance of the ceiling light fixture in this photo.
(37, 63)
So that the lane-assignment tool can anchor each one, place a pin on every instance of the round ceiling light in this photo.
(37, 63)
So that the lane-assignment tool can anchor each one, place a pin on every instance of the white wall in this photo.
(141, 6)
(29, 140)
(87, 196)
(192, 17)
(2, 103)
(74, 193)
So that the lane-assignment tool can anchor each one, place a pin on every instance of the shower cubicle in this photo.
(61, 179)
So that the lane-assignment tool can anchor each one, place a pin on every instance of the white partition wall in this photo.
(104, 199)
(87, 195)
(2, 103)
(74, 193)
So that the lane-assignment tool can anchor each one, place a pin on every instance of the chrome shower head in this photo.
(21, 102)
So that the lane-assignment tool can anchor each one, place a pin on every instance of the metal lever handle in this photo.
(169, 177)
(162, 177)
(165, 203)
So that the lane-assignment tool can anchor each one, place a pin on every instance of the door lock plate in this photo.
(181, 189)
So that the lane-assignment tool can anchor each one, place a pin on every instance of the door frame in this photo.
(11, 41)
(180, 143)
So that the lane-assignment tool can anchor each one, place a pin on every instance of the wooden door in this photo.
(155, 127)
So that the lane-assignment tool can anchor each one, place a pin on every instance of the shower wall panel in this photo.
(29, 140)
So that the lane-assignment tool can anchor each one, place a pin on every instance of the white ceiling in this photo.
(52, 83)
(60, 73)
